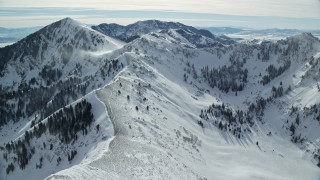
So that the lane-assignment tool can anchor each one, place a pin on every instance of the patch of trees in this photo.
(23, 152)
(62, 97)
(72, 155)
(225, 78)
(314, 70)
(277, 91)
(108, 66)
(65, 124)
(273, 72)
(298, 116)
(10, 168)
(50, 75)
(314, 111)
(43, 100)
(294, 137)
(191, 70)
(238, 122)
(226, 119)
(259, 106)
(201, 124)
(266, 47)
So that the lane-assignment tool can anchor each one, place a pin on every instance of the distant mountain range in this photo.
(199, 37)
(260, 34)
(132, 31)
(11, 35)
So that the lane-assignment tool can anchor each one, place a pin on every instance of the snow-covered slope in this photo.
(45, 158)
(156, 120)
(166, 107)
(161, 139)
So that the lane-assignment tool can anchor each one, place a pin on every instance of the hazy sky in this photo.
(300, 14)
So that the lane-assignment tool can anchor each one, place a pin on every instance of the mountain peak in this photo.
(65, 22)
(148, 21)
(68, 20)
(66, 37)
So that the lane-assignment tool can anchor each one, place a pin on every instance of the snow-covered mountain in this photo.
(171, 103)
(57, 46)
(41, 74)
(133, 31)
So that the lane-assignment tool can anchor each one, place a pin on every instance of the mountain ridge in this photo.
(135, 30)
(166, 105)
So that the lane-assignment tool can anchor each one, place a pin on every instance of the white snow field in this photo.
(165, 142)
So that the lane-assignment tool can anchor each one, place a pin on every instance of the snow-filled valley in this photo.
(172, 102)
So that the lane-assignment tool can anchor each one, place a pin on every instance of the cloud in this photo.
(21, 17)
(279, 8)
(249, 13)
